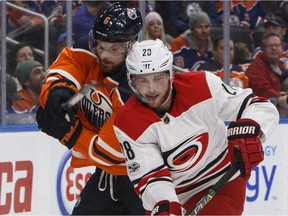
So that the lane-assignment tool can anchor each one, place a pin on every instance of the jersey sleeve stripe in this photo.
(244, 105)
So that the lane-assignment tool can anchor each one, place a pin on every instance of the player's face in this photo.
(154, 87)
(111, 56)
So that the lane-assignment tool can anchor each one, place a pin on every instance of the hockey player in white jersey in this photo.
(176, 143)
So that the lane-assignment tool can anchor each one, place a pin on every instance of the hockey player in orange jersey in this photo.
(89, 132)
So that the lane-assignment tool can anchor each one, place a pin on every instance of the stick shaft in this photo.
(77, 97)
(213, 191)
(179, 69)
(86, 88)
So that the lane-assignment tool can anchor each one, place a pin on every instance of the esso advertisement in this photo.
(70, 182)
(267, 187)
(16, 179)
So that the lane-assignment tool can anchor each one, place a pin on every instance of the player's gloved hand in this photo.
(165, 207)
(57, 122)
(244, 135)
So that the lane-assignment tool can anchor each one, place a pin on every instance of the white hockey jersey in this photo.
(183, 152)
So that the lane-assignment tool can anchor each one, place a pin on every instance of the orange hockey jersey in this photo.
(97, 145)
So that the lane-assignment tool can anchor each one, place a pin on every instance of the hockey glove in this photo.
(244, 135)
(53, 120)
(167, 208)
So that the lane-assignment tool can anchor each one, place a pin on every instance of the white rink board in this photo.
(267, 188)
(36, 179)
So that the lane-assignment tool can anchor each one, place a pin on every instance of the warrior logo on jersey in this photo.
(96, 107)
(187, 153)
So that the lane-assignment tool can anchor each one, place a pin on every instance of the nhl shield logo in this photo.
(133, 167)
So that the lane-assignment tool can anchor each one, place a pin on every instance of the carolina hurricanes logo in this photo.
(188, 153)
(96, 107)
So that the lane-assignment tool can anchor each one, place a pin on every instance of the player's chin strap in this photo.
(103, 182)
(168, 97)
(170, 92)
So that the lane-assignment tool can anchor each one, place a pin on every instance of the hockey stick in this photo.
(213, 191)
(179, 69)
(86, 88)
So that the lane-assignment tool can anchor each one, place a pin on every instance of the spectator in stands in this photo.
(48, 8)
(265, 73)
(283, 11)
(11, 93)
(242, 55)
(18, 53)
(237, 75)
(83, 19)
(21, 19)
(180, 11)
(30, 75)
(61, 42)
(154, 29)
(248, 14)
(274, 24)
(195, 45)
(30, 28)
(85, 15)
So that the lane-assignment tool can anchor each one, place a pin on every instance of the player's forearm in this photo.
(258, 112)
(100, 152)
(158, 191)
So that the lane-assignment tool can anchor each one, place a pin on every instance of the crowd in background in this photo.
(192, 30)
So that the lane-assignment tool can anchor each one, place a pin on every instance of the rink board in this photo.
(36, 178)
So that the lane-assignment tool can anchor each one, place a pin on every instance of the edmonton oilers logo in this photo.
(70, 183)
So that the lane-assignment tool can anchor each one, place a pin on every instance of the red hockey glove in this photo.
(244, 135)
(167, 208)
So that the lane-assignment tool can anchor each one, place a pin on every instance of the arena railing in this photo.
(46, 29)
